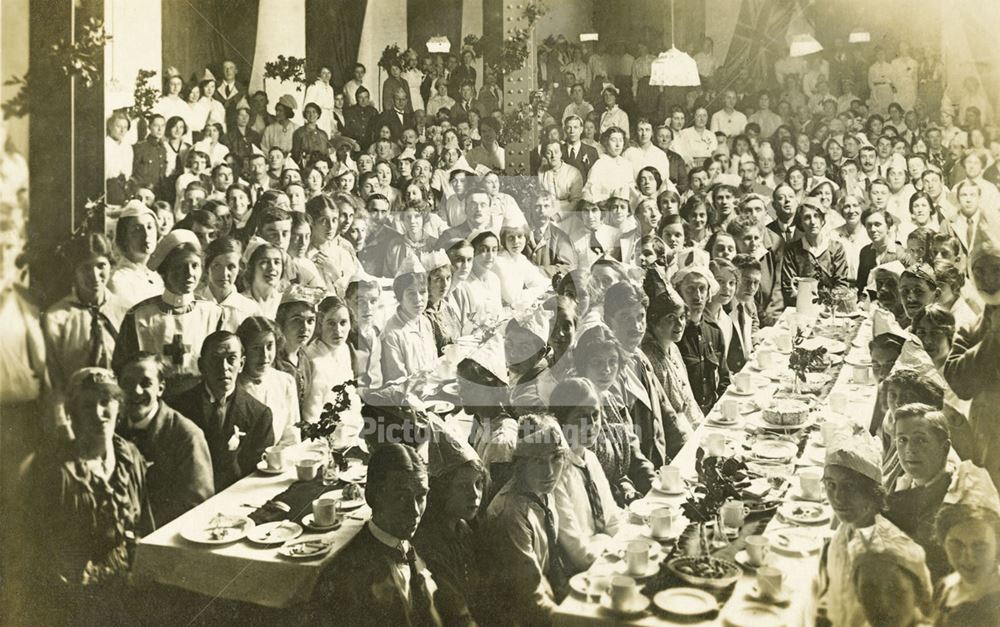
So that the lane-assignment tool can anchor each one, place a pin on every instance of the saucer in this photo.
(732, 389)
(277, 532)
(440, 407)
(640, 603)
(306, 549)
(450, 388)
(686, 602)
(743, 559)
(781, 599)
(652, 567)
(267, 470)
(310, 522)
(658, 490)
(585, 583)
(795, 494)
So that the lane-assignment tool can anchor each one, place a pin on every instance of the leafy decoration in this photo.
(513, 52)
(145, 95)
(79, 59)
(287, 69)
(330, 417)
(804, 360)
(720, 479)
(474, 44)
(392, 55)
(535, 10)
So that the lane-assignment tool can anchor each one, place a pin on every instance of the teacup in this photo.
(730, 410)
(637, 557)
(838, 402)
(743, 382)
(307, 467)
(714, 444)
(811, 483)
(326, 511)
(661, 522)
(733, 514)
(861, 374)
(622, 592)
(758, 548)
(765, 359)
(670, 479)
(275, 457)
(770, 581)
(783, 341)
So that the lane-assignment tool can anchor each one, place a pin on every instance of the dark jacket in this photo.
(553, 252)
(244, 412)
(178, 463)
(357, 121)
(391, 119)
(703, 349)
(797, 262)
(149, 164)
(358, 588)
(583, 160)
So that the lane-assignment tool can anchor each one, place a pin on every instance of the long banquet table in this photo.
(800, 570)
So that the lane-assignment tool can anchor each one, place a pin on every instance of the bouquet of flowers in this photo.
(474, 44)
(391, 55)
(803, 360)
(286, 69)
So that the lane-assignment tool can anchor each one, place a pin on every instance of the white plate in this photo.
(743, 559)
(640, 603)
(757, 596)
(618, 547)
(791, 543)
(277, 532)
(719, 421)
(585, 583)
(306, 549)
(780, 450)
(219, 529)
(440, 407)
(735, 392)
(804, 512)
(854, 360)
(310, 522)
(752, 615)
(688, 602)
(450, 388)
(267, 470)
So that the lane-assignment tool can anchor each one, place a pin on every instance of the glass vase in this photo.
(331, 469)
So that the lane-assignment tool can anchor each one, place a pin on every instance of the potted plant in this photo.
(325, 429)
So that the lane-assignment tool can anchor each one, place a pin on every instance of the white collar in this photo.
(387, 538)
(177, 301)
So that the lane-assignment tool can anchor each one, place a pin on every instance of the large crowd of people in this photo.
(658, 233)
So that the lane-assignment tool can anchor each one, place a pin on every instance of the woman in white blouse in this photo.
(171, 104)
(263, 381)
(211, 146)
(321, 93)
(197, 112)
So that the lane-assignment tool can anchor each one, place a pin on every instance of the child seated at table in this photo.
(892, 586)
(527, 357)
(333, 359)
(267, 384)
(521, 282)
(918, 287)
(296, 322)
(483, 395)
(588, 515)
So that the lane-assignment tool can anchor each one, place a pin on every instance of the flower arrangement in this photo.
(535, 10)
(513, 52)
(803, 360)
(284, 68)
(516, 125)
(391, 55)
(833, 296)
(474, 44)
(330, 417)
(145, 95)
(720, 479)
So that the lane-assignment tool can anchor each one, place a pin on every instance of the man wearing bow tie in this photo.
(237, 426)
(378, 579)
(230, 93)
(395, 117)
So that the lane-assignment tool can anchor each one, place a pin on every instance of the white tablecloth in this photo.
(800, 571)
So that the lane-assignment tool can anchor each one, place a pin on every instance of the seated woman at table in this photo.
(441, 310)
(478, 297)
(852, 477)
(573, 286)
(814, 255)
(264, 382)
(521, 282)
(173, 325)
(598, 358)
(588, 516)
(527, 578)
(265, 276)
(333, 358)
(483, 394)
(333, 256)
(892, 586)
(408, 339)
(413, 240)
(604, 273)
(86, 503)
(363, 298)
(666, 319)
(528, 366)
(222, 268)
(701, 346)
(969, 530)
(296, 322)
(445, 537)
(720, 311)
(951, 292)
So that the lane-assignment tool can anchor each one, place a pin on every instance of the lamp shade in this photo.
(803, 45)
(674, 68)
(438, 44)
(589, 37)
(859, 37)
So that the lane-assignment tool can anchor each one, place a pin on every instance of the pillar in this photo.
(518, 86)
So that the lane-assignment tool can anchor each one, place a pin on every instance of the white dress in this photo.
(322, 94)
(277, 390)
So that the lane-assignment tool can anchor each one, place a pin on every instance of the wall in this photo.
(14, 56)
(566, 17)
(136, 44)
(385, 24)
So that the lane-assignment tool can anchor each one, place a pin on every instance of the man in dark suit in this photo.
(149, 158)
(464, 104)
(179, 470)
(378, 579)
(236, 425)
(548, 246)
(395, 117)
(576, 153)
(664, 137)
(230, 92)
(358, 118)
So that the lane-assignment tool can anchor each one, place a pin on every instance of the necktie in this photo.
(555, 559)
(419, 602)
(98, 354)
(737, 356)
(596, 508)
(595, 244)
(741, 316)
(572, 154)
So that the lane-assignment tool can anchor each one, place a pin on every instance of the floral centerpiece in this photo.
(804, 360)
(720, 479)
(835, 297)
(326, 428)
